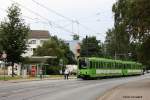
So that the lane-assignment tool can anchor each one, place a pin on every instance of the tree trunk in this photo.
(12, 64)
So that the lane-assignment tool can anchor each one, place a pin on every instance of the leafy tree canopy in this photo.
(135, 15)
(14, 34)
(55, 47)
(90, 46)
(76, 37)
(131, 29)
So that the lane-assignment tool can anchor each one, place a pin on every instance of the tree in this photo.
(133, 14)
(76, 37)
(90, 47)
(144, 54)
(14, 34)
(55, 47)
(110, 44)
(117, 43)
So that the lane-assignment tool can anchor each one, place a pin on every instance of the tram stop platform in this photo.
(138, 90)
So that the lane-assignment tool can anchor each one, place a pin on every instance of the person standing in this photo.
(66, 74)
(41, 73)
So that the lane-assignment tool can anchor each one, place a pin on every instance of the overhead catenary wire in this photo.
(35, 13)
(53, 11)
(67, 18)
(56, 25)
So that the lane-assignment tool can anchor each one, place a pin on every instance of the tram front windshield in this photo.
(83, 63)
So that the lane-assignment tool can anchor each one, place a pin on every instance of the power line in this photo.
(67, 18)
(51, 10)
(52, 23)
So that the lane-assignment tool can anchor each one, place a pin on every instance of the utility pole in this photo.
(72, 26)
(87, 46)
(61, 63)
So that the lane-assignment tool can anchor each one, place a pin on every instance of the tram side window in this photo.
(116, 65)
(120, 65)
(133, 66)
(101, 65)
(124, 66)
(109, 65)
(129, 66)
(97, 66)
(113, 65)
(104, 65)
(91, 64)
(138, 67)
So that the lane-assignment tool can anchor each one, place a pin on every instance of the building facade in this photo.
(37, 38)
(74, 46)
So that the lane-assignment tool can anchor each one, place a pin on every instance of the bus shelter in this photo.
(36, 66)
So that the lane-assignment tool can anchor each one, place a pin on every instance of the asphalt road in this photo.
(75, 89)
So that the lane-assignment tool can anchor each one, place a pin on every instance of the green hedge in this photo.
(53, 70)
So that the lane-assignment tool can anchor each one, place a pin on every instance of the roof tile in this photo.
(39, 34)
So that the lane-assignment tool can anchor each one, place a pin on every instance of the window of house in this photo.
(32, 42)
(42, 41)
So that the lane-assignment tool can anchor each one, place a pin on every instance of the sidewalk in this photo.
(139, 90)
(34, 79)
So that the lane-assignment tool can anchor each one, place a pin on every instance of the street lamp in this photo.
(4, 56)
(61, 64)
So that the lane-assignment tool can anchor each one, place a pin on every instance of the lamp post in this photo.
(61, 64)
(4, 56)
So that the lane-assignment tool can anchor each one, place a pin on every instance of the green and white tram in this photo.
(100, 67)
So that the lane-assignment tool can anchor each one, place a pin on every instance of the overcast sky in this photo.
(95, 17)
